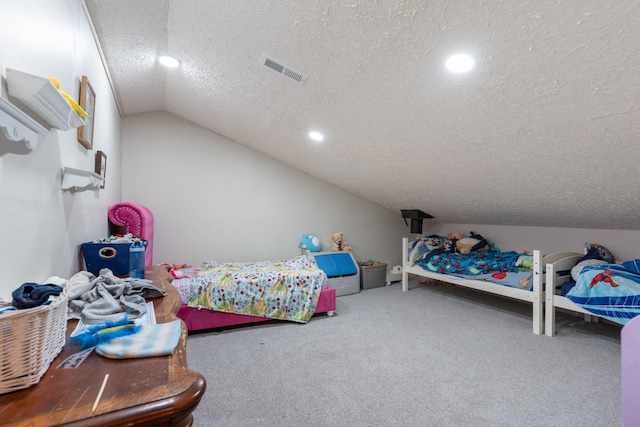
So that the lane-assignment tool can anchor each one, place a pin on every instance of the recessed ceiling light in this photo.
(316, 136)
(168, 61)
(460, 63)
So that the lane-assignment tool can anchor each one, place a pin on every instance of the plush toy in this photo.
(338, 243)
(454, 236)
(595, 255)
(177, 271)
(433, 241)
(311, 243)
(474, 243)
(465, 244)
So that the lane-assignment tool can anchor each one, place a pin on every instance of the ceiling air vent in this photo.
(284, 69)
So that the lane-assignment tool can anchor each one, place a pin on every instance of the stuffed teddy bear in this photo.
(465, 244)
(338, 243)
(450, 241)
(473, 243)
(454, 236)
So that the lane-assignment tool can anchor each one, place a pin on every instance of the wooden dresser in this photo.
(150, 391)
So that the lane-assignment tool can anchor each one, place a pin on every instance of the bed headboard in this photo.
(137, 220)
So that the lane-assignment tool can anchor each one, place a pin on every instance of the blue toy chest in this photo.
(341, 269)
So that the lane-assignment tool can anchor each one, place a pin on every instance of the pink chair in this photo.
(136, 220)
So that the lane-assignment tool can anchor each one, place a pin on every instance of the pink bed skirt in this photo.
(201, 319)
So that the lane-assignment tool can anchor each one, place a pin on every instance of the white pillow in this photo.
(575, 271)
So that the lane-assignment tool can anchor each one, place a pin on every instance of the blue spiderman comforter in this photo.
(611, 291)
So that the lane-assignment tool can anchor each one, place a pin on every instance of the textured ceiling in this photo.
(543, 132)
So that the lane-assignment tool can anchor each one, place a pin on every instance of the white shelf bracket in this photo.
(80, 180)
(18, 130)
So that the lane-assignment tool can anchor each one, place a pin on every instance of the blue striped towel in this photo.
(151, 340)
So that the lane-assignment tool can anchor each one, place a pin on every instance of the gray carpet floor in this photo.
(437, 355)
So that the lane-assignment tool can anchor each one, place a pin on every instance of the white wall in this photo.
(41, 225)
(214, 199)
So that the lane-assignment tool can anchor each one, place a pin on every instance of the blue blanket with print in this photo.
(474, 263)
(611, 291)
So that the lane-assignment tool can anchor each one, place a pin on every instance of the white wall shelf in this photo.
(18, 131)
(80, 180)
(42, 97)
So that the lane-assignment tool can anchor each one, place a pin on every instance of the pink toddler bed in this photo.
(201, 319)
(216, 295)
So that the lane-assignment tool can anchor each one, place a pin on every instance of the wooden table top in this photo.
(146, 391)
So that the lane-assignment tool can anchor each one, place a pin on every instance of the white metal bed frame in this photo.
(561, 260)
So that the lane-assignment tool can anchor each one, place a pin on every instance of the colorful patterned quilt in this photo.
(285, 290)
(611, 291)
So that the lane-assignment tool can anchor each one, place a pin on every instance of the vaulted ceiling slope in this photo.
(544, 131)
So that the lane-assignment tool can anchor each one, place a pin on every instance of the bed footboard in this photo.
(555, 276)
(405, 264)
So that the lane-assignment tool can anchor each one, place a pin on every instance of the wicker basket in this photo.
(29, 341)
